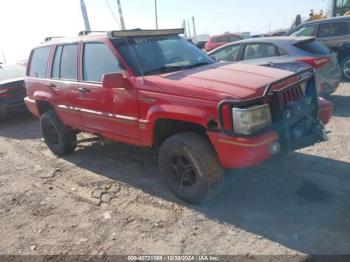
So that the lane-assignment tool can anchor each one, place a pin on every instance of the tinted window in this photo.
(333, 29)
(305, 31)
(98, 60)
(39, 62)
(314, 47)
(228, 53)
(256, 51)
(56, 63)
(68, 68)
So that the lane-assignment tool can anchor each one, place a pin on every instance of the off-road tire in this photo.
(343, 64)
(200, 153)
(60, 139)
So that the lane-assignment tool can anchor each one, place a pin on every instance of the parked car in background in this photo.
(12, 89)
(154, 89)
(277, 50)
(220, 40)
(332, 32)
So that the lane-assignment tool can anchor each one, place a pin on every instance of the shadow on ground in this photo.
(20, 126)
(341, 105)
(301, 202)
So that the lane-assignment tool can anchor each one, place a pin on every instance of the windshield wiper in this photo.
(168, 69)
(198, 65)
(165, 69)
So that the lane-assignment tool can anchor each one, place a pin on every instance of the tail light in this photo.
(4, 93)
(316, 62)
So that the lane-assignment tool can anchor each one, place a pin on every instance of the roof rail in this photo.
(50, 38)
(81, 33)
(140, 32)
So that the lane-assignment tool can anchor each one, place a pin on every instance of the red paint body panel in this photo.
(129, 113)
(325, 110)
(242, 152)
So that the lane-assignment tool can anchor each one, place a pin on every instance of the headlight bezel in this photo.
(245, 121)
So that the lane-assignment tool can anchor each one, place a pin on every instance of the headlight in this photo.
(248, 120)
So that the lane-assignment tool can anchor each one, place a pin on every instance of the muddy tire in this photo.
(191, 167)
(60, 139)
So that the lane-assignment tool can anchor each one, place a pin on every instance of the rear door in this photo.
(261, 53)
(334, 34)
(112, 112)
(64, 82)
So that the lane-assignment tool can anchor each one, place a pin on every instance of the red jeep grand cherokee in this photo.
(154, 88)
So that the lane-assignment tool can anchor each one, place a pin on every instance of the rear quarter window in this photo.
(314, 47)
(39, 62)
(333, 29)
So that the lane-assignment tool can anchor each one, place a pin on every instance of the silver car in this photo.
(288, 53)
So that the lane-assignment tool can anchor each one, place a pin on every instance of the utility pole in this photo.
(184, 27)
(194, 29)
(156, 10)
(189, 29)
(122, 24)
(85, 15)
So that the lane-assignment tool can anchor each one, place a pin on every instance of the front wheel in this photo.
(59, 138)
(190, 166)
(345, 67)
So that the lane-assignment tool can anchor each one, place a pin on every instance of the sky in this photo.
(25, 23)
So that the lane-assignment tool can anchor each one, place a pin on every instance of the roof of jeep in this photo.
(104, 35)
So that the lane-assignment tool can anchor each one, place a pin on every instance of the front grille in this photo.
(292, 94)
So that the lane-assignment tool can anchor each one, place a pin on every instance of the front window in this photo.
(305, 31)
(94, 69)
(229, 53)
(160, 54)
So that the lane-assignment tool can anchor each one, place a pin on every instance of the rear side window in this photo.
(40, 59)
(98, 60)
(69, 61)
(314, 47)
(333, 29)
(256, 51)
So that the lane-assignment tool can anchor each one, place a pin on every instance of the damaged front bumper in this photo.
(296, 124)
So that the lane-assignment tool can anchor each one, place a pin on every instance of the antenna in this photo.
(85, 15)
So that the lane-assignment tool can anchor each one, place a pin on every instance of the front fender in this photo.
(188, 114)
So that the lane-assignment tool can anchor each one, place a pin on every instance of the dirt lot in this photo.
(111, 199)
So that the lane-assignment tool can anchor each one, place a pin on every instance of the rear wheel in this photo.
(190, 166)
(59, 138)
(345, 66)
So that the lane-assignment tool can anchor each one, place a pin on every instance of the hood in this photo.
(226, 80)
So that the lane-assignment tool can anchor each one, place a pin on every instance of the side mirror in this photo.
(114, 80)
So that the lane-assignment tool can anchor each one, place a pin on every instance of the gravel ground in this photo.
(111, 199)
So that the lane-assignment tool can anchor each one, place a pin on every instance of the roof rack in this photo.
(50, 38)
(81, 33)
(140, 32)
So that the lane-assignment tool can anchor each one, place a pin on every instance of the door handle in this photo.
(84, 90)
(51, 85)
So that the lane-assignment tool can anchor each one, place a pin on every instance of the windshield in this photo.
(160, 54)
